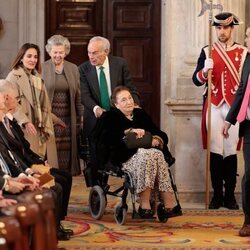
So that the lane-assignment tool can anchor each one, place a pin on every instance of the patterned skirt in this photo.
(61, 108)
(149, 170)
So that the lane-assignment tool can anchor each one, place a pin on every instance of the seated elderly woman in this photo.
(147, 165)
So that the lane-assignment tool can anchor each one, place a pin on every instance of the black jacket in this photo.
(109, 132)
(235, 108)
(19, 147)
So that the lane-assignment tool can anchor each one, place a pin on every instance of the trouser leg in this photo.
(57, 194)
(230, 174)
(94, 176)
(246, 177)
(216, 173)
(92, 165)
(65, 180)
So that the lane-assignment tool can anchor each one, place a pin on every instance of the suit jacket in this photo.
(234, 110)
(119, 75)
(76, 108)
(2, 182)
(2, 173)
(20, 147)
(14, 168)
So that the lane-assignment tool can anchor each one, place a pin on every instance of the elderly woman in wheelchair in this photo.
(131, 140)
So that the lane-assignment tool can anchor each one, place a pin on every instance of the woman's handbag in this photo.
(132, 142)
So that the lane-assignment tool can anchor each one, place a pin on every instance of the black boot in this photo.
(216, 173)
(230, 173)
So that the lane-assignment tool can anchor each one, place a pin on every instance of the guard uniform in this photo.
(226, 73)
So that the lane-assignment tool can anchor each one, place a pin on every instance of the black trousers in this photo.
(64, 179)
(246, 177)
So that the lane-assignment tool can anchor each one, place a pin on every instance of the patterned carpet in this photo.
(196, 229)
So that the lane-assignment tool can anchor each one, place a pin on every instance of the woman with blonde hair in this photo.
(62, 81)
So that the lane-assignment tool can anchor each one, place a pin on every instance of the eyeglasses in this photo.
(18, 98)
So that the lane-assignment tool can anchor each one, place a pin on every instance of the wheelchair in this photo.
(99, 192)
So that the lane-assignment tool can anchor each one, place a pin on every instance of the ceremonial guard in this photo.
(226, 64)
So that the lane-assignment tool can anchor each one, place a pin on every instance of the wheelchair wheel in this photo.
(120, 214)
(97, 202)
(161, 213)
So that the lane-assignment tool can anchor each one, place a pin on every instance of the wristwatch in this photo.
(7, 186)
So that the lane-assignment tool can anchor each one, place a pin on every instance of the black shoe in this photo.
(231, 204)
(145, 213)
(165, 213)
(215, 203)
(173, 212)
(66, 231)
(61, 236)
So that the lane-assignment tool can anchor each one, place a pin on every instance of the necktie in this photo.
(105, 102)
(7, 126)
(244, 105)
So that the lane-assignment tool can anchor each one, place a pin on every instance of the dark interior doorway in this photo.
(133, 28)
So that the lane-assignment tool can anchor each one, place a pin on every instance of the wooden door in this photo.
(133, 28)
(77, 20)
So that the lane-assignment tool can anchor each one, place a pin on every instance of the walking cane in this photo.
(210, 7)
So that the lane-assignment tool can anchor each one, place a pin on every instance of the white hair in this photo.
(105, 42)
(6, 86)
(58, 40)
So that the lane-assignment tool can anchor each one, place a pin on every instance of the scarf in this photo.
(42, 106)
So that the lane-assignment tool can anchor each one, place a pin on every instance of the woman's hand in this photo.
(30, 128)
(138, 131)
(155, 143)
(61, 123)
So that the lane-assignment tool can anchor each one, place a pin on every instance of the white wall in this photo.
(9, 34)
(23, 21)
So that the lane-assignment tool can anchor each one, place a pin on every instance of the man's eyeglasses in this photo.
(18, 98)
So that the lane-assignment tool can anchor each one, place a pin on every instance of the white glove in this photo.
(209, 64)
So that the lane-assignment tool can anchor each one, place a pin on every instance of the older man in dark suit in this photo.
(116, 73)
(19, 158)
(99, 76)
(240, 111)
